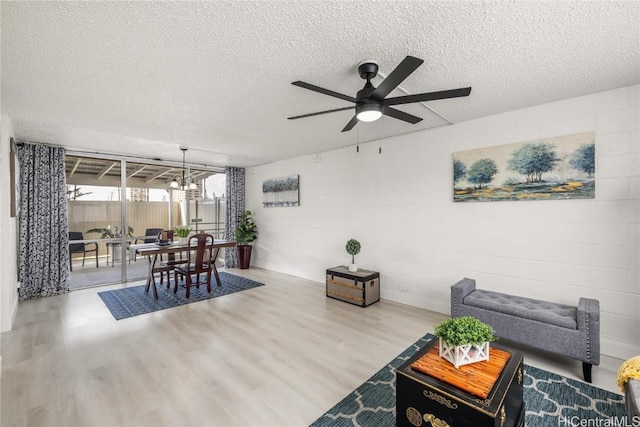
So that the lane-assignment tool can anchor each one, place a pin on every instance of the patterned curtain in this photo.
(235, 206)
(43, 258)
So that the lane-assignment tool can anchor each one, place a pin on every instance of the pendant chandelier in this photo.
(184, 182)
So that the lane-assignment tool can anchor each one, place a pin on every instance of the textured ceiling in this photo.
(144, 78)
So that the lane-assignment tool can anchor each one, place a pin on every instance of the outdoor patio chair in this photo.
(81, 248)
(151, 235)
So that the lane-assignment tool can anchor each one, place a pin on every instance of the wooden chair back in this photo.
(166, 235)
(200, 251)
(199, 260)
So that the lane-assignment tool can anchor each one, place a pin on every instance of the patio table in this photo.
(115, 249)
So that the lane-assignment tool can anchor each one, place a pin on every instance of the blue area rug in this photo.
(134, 301)
(550, 400)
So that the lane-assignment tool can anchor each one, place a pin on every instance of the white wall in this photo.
(8, 269)
(398, 204)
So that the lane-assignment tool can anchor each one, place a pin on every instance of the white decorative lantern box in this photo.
(464, 354)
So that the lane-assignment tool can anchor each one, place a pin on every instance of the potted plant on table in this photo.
(464, 340)
(182, 231)
(246, 232)
(353, 249)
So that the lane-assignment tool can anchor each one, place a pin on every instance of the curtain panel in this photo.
(43, 256)
(234, 208)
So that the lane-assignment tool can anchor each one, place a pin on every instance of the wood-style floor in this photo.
(277, 355)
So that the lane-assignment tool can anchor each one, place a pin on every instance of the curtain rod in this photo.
(98, 154)
(20, 143)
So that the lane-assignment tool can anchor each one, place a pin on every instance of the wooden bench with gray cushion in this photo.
(561, 329)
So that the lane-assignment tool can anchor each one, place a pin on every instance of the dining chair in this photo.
(80, 248)
(199, 261)
(169, 265)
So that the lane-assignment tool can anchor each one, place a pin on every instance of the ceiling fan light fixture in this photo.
(369, 112)
(371, 102)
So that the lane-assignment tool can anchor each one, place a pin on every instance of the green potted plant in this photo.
(246, 232)
(182, 231)
(353, 249)
(112, 232)
(464, 340)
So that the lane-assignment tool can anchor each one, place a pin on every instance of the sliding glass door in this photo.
(114, 203)
(207, 209)
(95, 221)
(149, 210)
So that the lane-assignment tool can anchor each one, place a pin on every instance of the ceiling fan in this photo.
(370, 101)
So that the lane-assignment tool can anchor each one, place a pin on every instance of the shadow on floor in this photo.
(89, 275)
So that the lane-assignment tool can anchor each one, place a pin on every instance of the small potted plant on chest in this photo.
(246, 232)
(464, 340)
(353, 248)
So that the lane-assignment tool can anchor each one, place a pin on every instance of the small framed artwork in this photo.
(283, 191)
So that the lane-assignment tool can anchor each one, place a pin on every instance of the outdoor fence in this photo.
(89, 214)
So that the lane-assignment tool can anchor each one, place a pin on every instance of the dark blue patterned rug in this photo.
(550, 400)
(129, 302)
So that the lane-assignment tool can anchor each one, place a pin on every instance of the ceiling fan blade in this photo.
(351, 124)
(431, 96)
(400, 115)
(320, 112)
(323, 91)
(397, 76)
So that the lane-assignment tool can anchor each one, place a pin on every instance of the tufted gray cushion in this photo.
(527, 308)
(560, 329)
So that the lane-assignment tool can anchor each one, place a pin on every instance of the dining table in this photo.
(154, 250)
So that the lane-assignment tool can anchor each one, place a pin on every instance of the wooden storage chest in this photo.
(422, 400)
(360, 287)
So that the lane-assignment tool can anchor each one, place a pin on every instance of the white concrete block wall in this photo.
(398, 204)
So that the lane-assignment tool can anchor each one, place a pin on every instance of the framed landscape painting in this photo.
(283, 191)
(545, 169)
